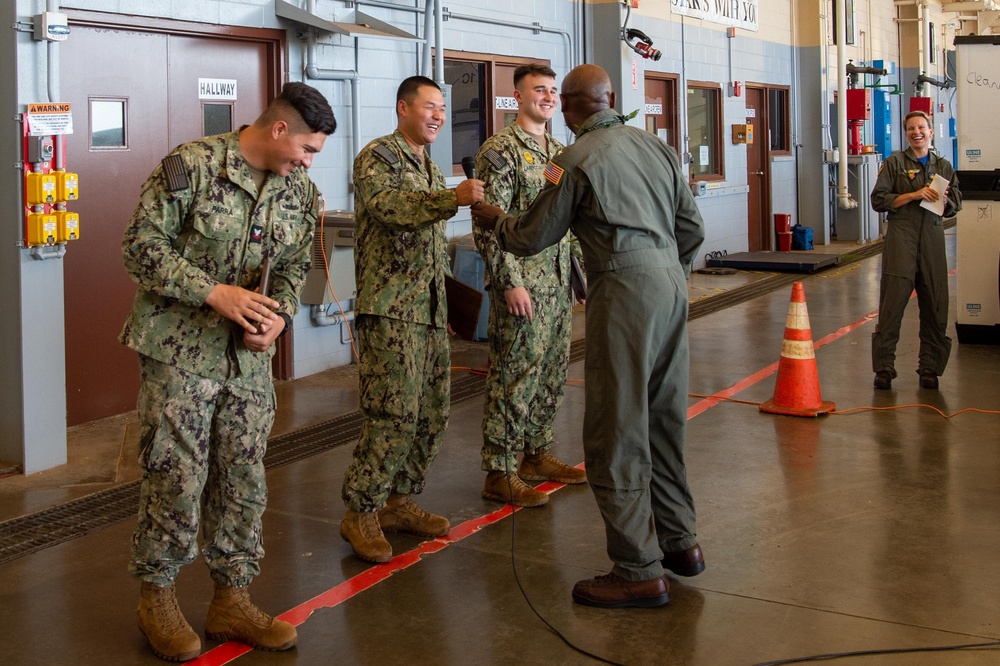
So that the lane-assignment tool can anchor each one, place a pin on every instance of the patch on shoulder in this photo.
(387, 155)
(173, 169)
(553, 172)
(496, 159)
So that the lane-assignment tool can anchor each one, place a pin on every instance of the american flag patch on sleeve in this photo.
(553, 173)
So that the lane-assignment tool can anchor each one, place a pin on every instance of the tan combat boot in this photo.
(401, 514)
(545, 467)
(161, 621)
(233, 617)
(510, 489)
(363, 532)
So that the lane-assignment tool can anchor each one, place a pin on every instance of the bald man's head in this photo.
(585, 91)
(587, 82)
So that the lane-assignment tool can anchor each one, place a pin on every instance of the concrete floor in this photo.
(860, 531)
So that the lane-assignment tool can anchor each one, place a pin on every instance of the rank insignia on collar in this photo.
(256, 233)
(528, 158)
(553, 173)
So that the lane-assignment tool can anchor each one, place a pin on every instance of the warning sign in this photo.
(51, 118)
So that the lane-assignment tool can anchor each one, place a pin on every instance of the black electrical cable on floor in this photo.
(866, 653)
(502, 358)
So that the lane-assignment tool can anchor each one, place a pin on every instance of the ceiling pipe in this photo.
(439, 42)
(534, 27)
(844, 200)
(315, 72)
(53, 58)
(425, 68)
(923, 53)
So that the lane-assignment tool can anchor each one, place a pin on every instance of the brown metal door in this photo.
(152, 78)
(661, 108)
(107, 69)
(758, 205)
(196, 58)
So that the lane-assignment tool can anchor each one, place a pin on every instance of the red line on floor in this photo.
(228, 652)
(707, 403)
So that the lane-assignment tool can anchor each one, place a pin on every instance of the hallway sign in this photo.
(216, 88)
(736, 13)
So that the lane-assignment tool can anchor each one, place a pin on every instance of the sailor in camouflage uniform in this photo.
(208, 218)
(529, 331)
(401, 204)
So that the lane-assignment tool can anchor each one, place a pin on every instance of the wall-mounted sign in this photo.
(216, 88)
(737, 13)
(654, 109)
(506, 103)
(49, 119)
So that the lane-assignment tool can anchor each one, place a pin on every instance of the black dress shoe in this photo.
(883, 380)
(688, 562)
(612, 591)
(928, 380)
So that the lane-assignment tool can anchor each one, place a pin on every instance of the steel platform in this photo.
(797, 262)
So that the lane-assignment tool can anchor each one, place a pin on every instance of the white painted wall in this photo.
(692, 48)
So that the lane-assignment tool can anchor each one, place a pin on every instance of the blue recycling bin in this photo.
(802, 237)
(470, 269)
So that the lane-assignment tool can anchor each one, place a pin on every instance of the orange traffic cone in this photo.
(796, 392)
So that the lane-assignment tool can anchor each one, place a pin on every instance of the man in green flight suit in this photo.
(401, 203)
(209, 219)
(530, 330)
(627, 200)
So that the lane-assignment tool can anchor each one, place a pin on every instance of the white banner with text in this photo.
(736, 13)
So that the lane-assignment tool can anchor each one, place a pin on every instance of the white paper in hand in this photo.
(937, 207)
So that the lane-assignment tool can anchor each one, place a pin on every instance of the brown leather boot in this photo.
(163, 624)
(233, 617)
(545, 467)
(363, 532)
(515, 492)
(401, 514)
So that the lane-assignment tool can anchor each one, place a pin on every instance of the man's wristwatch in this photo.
(287, 318)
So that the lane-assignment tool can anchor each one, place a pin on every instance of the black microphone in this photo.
(469, 166)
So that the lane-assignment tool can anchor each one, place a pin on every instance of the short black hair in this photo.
(307, 103)
(408, 88)
(532, 68)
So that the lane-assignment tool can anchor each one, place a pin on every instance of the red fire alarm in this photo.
(736, 88)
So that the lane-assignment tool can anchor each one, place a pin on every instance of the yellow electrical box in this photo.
(67, 226)
(67, 186)
(41, 229)
(41, 189)
(743, 133)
